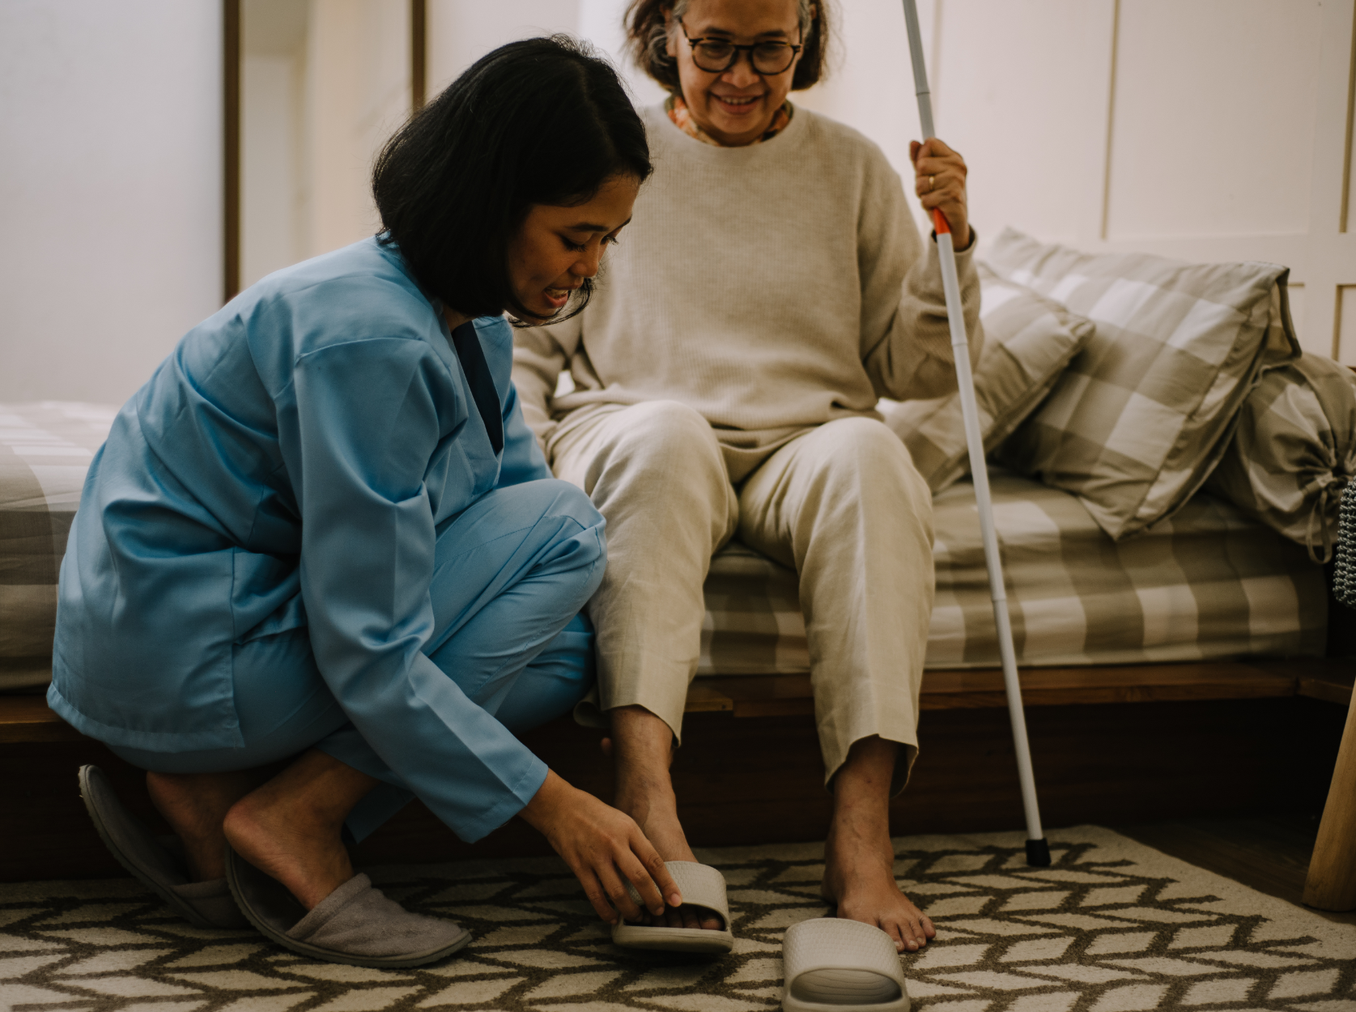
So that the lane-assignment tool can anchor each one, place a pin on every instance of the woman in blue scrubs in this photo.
(322, 534)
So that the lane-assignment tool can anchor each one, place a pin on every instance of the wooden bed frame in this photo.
(1224, 738)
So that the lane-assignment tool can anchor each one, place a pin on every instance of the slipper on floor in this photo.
(356, 924)
(831, 965)
(701, 886)
(204, 904)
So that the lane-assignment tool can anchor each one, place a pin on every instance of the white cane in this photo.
(1037, 849)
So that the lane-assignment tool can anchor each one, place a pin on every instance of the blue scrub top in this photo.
(288, 465)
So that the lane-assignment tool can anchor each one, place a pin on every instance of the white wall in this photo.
(110, 190)
(459, 33)
(1204, 129)
(357, 95)
(1207, 130)
(274, 195)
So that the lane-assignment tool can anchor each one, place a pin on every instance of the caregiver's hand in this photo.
(939, 181)
(604, 848)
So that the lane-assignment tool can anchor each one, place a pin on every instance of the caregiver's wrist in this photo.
(552, 798)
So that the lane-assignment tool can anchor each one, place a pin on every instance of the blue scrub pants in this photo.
(508, 631)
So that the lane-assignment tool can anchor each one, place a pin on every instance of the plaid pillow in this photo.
(1293, 451)
(1028, 340)
(1144, 413)
(45, 449)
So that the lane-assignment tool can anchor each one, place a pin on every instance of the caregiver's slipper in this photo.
(836, 965)
(203, 904)
(702, 886)
(356, 924)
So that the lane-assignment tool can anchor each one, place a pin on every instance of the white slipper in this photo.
(831, 965)
(701, 886)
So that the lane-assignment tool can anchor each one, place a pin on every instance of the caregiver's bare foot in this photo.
(859, 860)
(642, 749)
(195, 806)
(289, 828)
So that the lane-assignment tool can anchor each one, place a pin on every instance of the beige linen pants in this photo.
(841, 503)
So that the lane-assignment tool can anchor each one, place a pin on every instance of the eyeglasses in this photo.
(715, 56)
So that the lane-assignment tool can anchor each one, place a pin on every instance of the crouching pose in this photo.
(771, 287)
(320, 566)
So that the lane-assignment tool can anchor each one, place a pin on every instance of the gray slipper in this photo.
(204, 904)
(356, 924)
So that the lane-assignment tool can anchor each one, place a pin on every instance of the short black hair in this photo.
(541, 121)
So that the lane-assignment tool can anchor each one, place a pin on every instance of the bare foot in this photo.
(642, 747)
(195, 806)
(859, 860)
(289, 828)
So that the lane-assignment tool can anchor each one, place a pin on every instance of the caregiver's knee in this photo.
(551, 497)
(559, 677)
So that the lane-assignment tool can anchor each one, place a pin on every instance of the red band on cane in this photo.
(939, 222)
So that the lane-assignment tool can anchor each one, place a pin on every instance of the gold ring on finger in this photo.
(932, 183)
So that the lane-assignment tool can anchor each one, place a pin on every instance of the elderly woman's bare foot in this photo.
(289, 828)
(195, 806)
(642, 748)
(859, 877)
(859, 860)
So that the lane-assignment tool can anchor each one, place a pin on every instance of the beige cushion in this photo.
(1293, 452)
(1145, 411)
(1028, 340)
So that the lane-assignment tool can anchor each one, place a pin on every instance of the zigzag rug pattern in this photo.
(1112, 926)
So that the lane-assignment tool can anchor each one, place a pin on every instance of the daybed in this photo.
(1127, 582)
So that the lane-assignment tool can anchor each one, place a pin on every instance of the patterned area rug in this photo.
(1113, 926)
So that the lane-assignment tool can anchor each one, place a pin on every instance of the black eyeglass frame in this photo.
(734, 56)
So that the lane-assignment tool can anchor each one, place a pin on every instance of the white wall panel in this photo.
(460, 32)
(357, 95)
(110, 190)
(1023, 93)
(270, 232)
(600, 22)
(1311, 343)
(1346, 325)
(1214, 117)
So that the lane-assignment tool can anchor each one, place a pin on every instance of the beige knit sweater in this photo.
(770, 287)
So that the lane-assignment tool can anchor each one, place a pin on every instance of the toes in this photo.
(900, 939)
(689, 917)
(908, 934)
(711, 923)
(928, 929)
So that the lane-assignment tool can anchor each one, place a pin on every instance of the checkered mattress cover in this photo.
(1206, 584)
(45, 449)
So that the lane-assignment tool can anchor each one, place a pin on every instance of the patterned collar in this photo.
(682, 119)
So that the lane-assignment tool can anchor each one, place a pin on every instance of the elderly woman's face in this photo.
(735, 106)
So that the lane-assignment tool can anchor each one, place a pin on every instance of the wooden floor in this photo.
(1269, 854)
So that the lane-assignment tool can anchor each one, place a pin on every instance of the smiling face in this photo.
(735, 107)
(557, 248)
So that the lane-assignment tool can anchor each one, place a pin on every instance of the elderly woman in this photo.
(771, 287)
